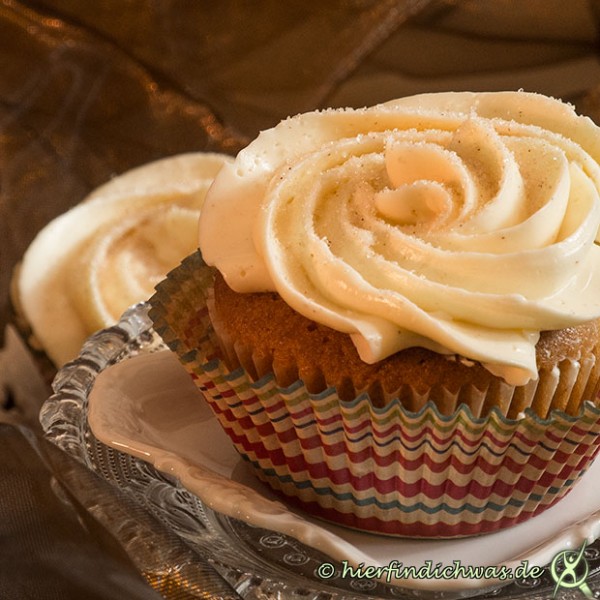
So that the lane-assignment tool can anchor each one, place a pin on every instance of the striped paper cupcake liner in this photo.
(386, 470)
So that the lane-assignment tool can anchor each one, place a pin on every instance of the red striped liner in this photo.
(298, 465)
(392, 471)
(417, 529)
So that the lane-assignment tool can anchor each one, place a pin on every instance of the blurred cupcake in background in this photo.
(86, 267)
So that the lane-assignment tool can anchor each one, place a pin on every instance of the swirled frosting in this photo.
(460, 222)
(87, 266)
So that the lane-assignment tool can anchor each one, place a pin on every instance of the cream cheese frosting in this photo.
(460, 222)
(87, 266)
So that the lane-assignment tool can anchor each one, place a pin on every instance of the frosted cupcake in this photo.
(395, 310)
(90, 264)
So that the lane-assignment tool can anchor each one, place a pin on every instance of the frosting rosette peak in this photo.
(460, 222)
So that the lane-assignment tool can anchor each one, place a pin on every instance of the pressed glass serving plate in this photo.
(144, 444)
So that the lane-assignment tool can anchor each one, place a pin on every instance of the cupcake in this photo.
(87, 266)
(394, 312)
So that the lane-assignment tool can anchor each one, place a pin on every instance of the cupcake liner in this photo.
(405, 469)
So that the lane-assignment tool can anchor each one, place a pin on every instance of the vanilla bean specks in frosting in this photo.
(464, 223)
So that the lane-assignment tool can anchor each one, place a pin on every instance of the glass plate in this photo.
(256, 562)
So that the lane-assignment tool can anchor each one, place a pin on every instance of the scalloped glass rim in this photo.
(212, 536)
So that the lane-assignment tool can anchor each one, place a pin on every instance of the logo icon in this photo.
(570, 569)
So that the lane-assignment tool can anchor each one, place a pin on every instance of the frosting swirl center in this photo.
(463, 223)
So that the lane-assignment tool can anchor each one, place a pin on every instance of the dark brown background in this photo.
(91, 89)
